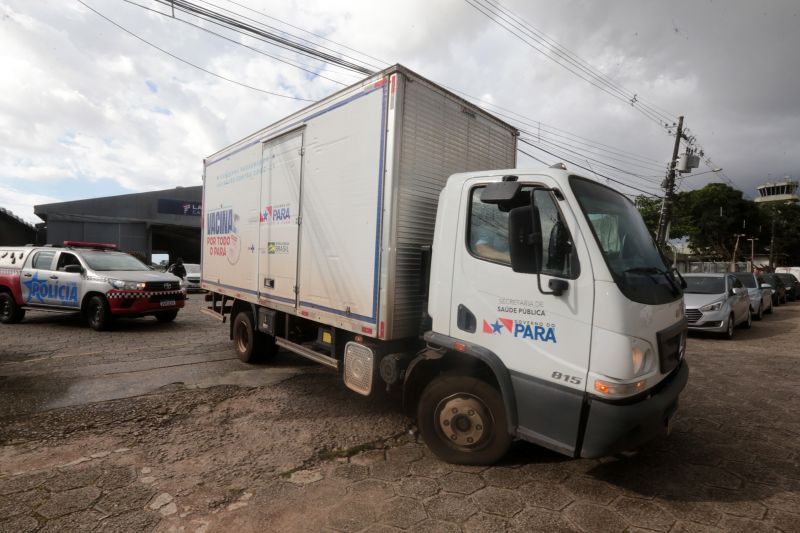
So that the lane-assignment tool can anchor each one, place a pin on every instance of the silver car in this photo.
(760, 295)
(716, 303)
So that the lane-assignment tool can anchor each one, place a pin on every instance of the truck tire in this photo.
(462, 420)
(251, 345)
(98, 313)
(166, 316)
(10, 312)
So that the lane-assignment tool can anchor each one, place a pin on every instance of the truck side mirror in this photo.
(525, 239)
(73, 269)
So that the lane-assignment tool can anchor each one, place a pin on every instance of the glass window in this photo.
(43, 260)
(488, 234)
(65, 259)
(488, 230)
(704, 285)
(628, 249)
(110, 261)
(558, 254)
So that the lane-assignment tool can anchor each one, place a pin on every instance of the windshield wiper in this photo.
(655, 270)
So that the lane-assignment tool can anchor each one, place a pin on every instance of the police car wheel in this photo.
(98, 313)
(10, 312)
(166, 316)
(462, 420)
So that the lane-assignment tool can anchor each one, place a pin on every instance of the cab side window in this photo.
(487, 234)
(487, 230)
(66, 259)
(559, 256)
(43, 260)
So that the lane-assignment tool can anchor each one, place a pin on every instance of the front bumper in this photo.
(616, 427)
(137, 303)
(714, 321)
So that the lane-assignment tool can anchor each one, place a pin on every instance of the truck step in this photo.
(308, 353)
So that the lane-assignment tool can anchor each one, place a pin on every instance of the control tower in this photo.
(782, 191)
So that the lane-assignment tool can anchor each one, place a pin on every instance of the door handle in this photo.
(465, 319)
(27, 275)
(53, 277)
(269, 283)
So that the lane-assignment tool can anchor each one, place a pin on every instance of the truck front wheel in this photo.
(251, 345)
(462, 419)
(10, 312)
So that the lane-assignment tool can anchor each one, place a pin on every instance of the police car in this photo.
(94, 279)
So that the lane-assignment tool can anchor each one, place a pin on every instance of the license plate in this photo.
(167, 303)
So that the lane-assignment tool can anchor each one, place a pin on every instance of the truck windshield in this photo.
(628, 249)
(108, 261)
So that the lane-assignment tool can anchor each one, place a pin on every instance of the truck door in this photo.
(282, 166)
(543, 339)
(67, 289)
(36, 278)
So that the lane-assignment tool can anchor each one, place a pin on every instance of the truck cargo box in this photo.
(324, 213)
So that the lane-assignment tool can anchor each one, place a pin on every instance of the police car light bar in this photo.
(79, 244)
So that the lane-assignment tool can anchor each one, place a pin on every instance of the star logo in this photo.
(496, 328)
(36, 288)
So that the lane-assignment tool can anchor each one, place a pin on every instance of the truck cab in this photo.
(554, 319)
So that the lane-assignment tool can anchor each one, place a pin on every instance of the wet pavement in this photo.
(158, 427)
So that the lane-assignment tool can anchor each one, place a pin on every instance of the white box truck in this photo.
(501, 303)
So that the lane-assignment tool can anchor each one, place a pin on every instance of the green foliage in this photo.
(711, 218)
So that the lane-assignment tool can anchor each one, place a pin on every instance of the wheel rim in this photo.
(5, 308)
(96, 314)
(242, 341)
(464, 421)
(730, 326)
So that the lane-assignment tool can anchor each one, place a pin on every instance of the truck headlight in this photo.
(712, 307)
(127, 285)
(641, 357)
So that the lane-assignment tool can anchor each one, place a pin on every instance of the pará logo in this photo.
(518, 329)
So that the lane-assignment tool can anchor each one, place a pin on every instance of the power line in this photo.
(210, 15)
(566, 54)
(234, 41)
(380, 61)
(589, 78)
(187, 62)
(619, 182)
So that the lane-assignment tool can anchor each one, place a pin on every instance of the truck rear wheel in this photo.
(10, 312)
(98, 314)
(251, 345)
(462, 419)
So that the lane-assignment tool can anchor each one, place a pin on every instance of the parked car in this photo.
(193, 275)
(716, 303)
(789, 270)
(760, 298)
(777, 286)
(91, 278)
(792, 285)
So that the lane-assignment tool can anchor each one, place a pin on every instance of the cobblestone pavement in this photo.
(287, 448)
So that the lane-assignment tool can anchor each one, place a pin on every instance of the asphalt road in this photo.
(158, 427)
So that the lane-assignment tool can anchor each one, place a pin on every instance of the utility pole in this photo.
(665, 218)
(752, 252)
(735, 251)
(772, 239)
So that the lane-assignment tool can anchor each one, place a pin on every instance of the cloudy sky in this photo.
(88, 110)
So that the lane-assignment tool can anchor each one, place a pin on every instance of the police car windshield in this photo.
(109, 261)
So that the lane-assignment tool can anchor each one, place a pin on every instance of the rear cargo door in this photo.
(281, 175)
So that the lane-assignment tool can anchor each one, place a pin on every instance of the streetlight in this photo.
(700, 173)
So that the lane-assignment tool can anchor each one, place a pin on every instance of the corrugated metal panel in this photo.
(440, 137)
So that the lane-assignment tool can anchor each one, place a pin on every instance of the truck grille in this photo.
(693, 315)
(162, 285)
(671, 343)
